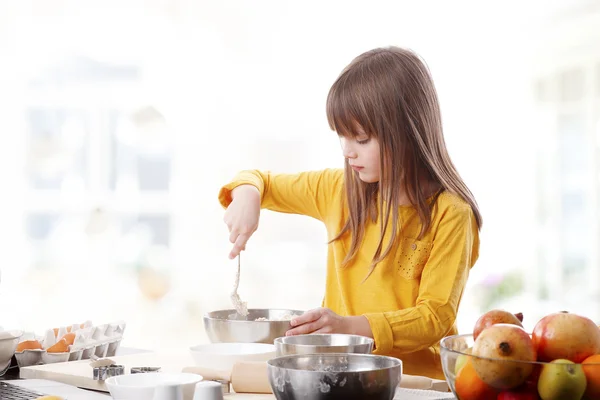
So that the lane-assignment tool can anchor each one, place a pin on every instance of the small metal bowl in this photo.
(225, 326)
(144, 370)
(323, 343)
(332, 376)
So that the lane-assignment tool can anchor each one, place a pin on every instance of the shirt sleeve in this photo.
(306, 193)
(454, 251)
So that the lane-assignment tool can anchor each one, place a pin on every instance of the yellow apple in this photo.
(461, 360)
(561, 379)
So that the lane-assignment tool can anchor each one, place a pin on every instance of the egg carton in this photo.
(89, 340)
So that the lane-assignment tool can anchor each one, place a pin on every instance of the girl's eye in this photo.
(363, 141)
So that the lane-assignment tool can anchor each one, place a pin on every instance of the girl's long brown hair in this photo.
(389, 93)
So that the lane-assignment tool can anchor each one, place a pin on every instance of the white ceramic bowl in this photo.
(222, 356)
(142, 386)
(8, 344)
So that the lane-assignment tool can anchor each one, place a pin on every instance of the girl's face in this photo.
(362, 154)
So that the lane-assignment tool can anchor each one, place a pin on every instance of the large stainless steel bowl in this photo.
(323, 343)
(334, 376)
(225, 326)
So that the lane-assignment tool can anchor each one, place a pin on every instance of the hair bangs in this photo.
(349, 108)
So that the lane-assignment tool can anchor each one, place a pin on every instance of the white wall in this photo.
(230, 75)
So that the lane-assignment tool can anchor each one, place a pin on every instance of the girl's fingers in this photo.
(240, 244)
(308, 316)
(324, 329)
(305, 329)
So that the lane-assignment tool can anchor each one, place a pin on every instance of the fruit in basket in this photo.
(469, 386)
(496, 316)
(461, 360)
(591, 369)
(59, 347)
(496, 350)
(566, 335)
(29, 345)
(560, 380)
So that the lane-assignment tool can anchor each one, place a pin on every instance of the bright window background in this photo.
(120, 120)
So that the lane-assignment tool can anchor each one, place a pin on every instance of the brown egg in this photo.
(29, 345)
(60, 347)
(69, 337)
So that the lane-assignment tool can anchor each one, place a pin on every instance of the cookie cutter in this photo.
(104, 372)
(143, 370)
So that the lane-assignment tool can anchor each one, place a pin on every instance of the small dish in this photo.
(143, 386)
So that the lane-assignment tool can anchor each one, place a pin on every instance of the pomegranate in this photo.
(493, 317)
(567, 336)
(498, 351)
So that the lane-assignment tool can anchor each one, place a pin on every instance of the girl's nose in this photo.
(347, 149)
(350, 155)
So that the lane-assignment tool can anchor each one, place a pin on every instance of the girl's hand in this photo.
(242, 217)
(323, 320)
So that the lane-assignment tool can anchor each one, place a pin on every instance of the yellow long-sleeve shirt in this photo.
(412, 297)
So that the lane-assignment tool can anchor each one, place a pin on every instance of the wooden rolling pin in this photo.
(252, 377)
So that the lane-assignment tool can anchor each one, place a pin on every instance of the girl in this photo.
(403, 226)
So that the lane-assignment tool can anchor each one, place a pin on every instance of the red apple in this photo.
(517, 395)
(532, 381)
(527, 391)
(567, 336)
(499, 354)
(493, 317)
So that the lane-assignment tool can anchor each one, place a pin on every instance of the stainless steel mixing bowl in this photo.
(323, 343)
(227, 326)
(329, 376)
